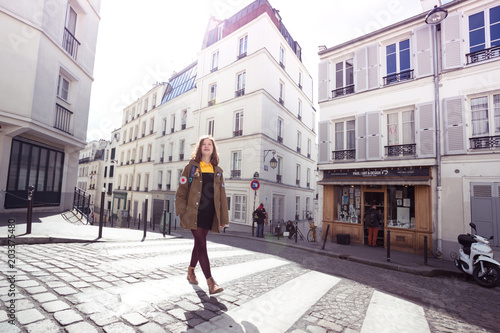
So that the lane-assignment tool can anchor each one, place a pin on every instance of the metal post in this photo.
(101, 213)
(388, 245)
(154, 216)
(278, 230)
(425, 250)
(296, 231)
(128, 217)
(164, 222)
(145, 216)
(31, 189)
(169, 223)
(326, 236)
(139, 224)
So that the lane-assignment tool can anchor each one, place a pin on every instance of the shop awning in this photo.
(426, 182)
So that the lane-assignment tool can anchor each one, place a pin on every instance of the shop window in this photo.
(401, 207)
(348, 204)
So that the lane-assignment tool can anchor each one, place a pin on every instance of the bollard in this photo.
(154, 217)
(31, 189)
(296, 231)
(145, 216)
(326, 235)
(425, 250)
(169, 223)
(388, 245)
(101, 213)
(139, 222)
(278, 230)
(164, 221)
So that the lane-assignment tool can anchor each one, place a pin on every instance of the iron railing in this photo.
(485, 142)
(482, 55)
(341, 155)
(70, 43)
(347, 90)
(401, 150)
(63, 119)
(398, 77)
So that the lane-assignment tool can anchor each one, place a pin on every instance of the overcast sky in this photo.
(143, 42)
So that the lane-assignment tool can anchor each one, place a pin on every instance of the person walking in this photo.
(201, 202)
(373, 219)
(261, 216)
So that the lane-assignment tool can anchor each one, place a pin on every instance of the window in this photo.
(169, 179)
(138, 182)
(240, 84)
(215, 61)
(146, 182)
(344, 78)
(297, 174)
(150, 147)
(242, 50)
(212, 94)
(282, 93)
(239, 208)
(279, 170)
(300, 80)
(299, 141)
(151, 126)
(308, 177)
(181, 150)
(141, 153)
(282, 57)
(172, 121)
(70, 43)
(484, 29)
(297, 208)
(238, 123)
(110, 188)
(113, 153)
(485, 115)
(236, 164)
(280, 130)
(210, 127)
(398, 62)
(401, 128)
(63, 88)
(220, 28)
(160, 179)
(345, 140)
(143, 129)
(308, 148)
(164, 126)
(111, 171)
(299, 110)
(119, 181)
(401, 206)
(184, 119)
(145, 105)
(154, 102)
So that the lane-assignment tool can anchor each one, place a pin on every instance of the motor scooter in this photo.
(476, 259)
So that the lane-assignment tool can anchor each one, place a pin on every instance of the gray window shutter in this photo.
(451, 41)
(454, 126)
(423, 51)
(373, 56)
(425, 125)
(361, 137)
(324, 141)
(323, 81)
(374, 135)
(361, 69)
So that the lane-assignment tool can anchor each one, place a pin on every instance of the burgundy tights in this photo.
(200, 251)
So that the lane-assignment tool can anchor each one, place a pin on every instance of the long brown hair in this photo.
(196, 155)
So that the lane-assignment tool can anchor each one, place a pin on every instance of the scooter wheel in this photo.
(490, 278)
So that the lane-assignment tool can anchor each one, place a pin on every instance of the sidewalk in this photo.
(65, 227)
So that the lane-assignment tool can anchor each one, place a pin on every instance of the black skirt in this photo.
(206, 209)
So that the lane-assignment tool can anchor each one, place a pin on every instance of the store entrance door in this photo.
(377, 198)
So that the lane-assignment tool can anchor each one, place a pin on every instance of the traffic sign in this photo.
(255, 185)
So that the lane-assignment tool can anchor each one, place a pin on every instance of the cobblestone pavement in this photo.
(141, 287)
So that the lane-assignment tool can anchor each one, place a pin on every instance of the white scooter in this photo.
(476, 258)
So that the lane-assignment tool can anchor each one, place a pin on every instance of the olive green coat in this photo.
(187, 198)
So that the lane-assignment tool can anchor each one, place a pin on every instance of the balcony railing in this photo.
(181, 157)
(239, 93)
(235, 173)
(278, 178)
(282, 102)
(211, 102)
(482, 55)
(485, 142)
(347, 90)
(297, 181)
(280, 139)
(63, 119)
(398, 77)
(342, 155)
(70, 43)
(238, 133)
(401, 150)
(167, 187)
(159, 186)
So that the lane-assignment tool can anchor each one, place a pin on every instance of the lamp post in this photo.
(101, 213)
(273, 162)
(434, 18)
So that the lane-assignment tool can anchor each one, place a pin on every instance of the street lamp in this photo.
(273, 162)
(433, 18)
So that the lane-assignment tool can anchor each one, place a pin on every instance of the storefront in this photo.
(402, 195)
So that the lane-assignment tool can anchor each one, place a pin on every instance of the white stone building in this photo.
(47, 61)
(410, 120)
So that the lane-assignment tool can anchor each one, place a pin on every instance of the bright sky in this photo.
(143, 42)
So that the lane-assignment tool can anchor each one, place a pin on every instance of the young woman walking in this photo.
(201, 202)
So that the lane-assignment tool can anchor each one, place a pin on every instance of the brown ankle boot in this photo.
(213, 287)
(191, 276)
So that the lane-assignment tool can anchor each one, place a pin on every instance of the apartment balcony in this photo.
(63, 119)
(236, 174)
(483, 55)
(279, 178)
(239, 93)
(238, 133)
(181, 157)
(280, 139)
(344, 155)
(84, 160)
(70, 43)
(159, 186)
(398, 77)
(485, 142)
(211, 102)
(401, 150)
(347, 90)
(167, 187)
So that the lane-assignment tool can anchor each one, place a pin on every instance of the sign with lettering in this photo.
(409, 172)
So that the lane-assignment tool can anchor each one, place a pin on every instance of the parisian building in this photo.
(410, 122)
(255, 97)
(48, 51)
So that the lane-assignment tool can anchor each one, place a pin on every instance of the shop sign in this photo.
(379, 173)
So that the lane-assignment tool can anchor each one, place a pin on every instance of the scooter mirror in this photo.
(473, 226)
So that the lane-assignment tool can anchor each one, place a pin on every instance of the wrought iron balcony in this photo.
(70, 43)
(239, 93)
(482, 55)
(347, 90)
(279, 178)
(341, 155)
(235, 173)
(485, 142)
(398, 77)
(63, 119)
(401, 150)
(238, 133)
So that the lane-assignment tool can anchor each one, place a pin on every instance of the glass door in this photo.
(377, 198)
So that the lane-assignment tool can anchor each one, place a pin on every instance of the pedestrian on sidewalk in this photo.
(373, 219)
(201, 202)
(261, 217)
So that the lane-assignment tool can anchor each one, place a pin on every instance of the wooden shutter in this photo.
(324, 141)
(454, 125)
(451, 41)
(425, 124)
(373, 135)
(361, 137)
(373, 56)
(423, 51)
(361, 69)
(323, 81)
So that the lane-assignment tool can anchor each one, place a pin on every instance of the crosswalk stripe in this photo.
(276, 310)
(389, 314)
